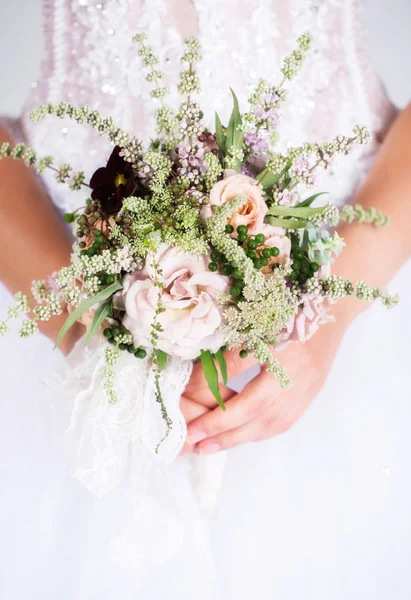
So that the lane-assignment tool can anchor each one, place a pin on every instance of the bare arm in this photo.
(376, 254)
(263, 410)
(34, 242)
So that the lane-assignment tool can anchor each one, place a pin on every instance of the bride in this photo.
(320, 512)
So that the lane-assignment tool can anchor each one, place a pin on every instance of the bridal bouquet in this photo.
(195, 243)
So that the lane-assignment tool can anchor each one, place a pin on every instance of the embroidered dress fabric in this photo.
(297, 514)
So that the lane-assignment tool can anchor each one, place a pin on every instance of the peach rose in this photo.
(254, 209)
(192, 318)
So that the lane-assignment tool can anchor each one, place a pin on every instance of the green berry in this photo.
(132, 349)
(242, 237)
(243, 353)
(242, 230)
(110, 279)
(315, 267)
(227, 270)
(116, 330)
(259, 263)
(252, 244)
(235, 291)
(215, 256)
(123, 346)
(264, 261)
(266, 252)
(213, 266)
(229, 229)
(107, 332)
(68, 218)
(275, 251)
(260, 238)
(237, 274)
(140, 353)
(293, 276)
(296, 265)
(251, 254)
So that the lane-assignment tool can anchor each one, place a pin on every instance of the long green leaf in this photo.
(84, 306)
(219, 356)
(162, 358)
(220, 135)
(233, 134)
(211, 375)
(299, 211)
(100, 316)
(286, 223)
(310, 200)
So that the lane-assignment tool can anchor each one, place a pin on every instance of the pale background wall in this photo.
(21, 48)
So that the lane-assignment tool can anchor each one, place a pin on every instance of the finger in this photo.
(267, 424)
(206, 398)
(191, 410)
(230, 439)
(256, 397)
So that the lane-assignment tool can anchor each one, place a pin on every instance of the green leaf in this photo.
(211, 375)
(268, 178)
(100, 315)
(220, 134)
(234, 136)
(286, 223)
(310, 200)
(299, 211)
(162, 358)
(84, 306)
(219, 356)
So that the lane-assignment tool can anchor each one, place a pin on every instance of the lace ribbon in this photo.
(108, 443)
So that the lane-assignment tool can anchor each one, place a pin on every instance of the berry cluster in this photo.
(113, 333)
(302, 267)
(253, 247)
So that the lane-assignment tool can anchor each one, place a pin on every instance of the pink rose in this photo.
(275, 237)
(254, 209)
(192, 317)
(310, 314)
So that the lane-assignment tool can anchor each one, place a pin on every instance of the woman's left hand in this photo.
(262, 410)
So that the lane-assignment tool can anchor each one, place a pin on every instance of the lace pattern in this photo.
(97, 65)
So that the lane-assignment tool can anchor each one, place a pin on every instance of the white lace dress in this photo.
(321, 512)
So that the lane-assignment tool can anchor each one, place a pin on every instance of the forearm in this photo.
(373, 254)
(34, 242)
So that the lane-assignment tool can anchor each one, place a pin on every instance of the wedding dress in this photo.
(320, 512)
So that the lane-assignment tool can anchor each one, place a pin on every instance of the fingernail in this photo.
(210, 448)
(195, 437)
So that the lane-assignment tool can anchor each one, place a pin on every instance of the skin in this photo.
(263, 410)
(35, 242)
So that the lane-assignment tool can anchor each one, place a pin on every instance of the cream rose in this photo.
(192, 317)
(254, 209)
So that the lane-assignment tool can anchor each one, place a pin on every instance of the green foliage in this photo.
(211, 375)
(100, 316)
(219, 356)
(84, 306)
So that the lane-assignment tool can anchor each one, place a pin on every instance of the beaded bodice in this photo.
(91, 60)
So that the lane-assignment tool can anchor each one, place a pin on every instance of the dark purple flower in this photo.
(112, 183)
